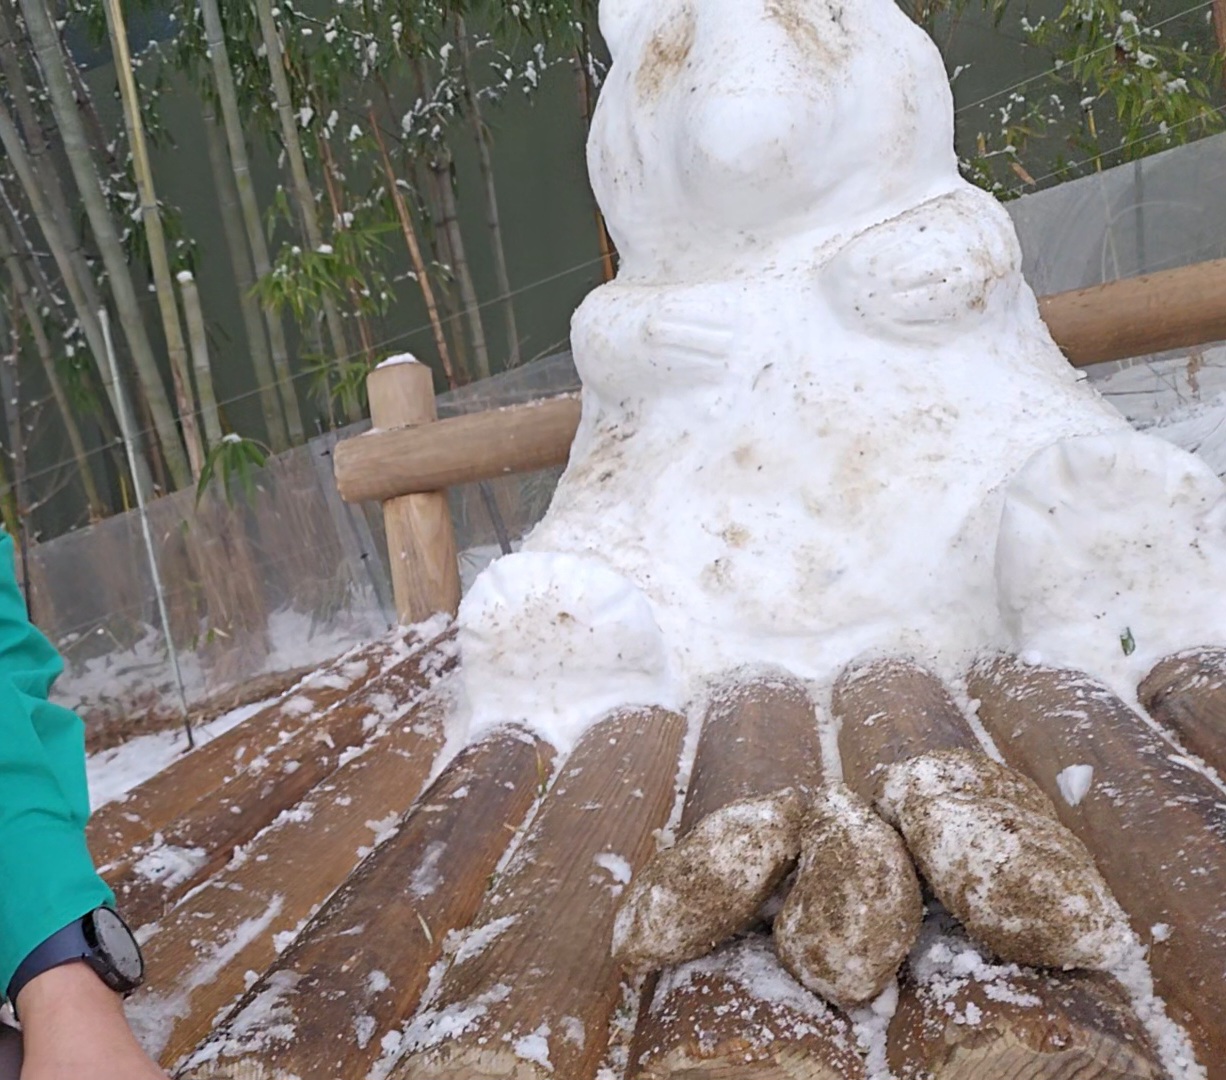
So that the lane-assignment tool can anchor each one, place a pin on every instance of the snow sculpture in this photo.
(818, 380)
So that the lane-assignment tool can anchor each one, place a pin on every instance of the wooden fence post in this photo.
(421, 540)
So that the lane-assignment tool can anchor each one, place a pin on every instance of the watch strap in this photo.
(63, 947)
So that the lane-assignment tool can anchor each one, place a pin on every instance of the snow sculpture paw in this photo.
(558, 640)
(855, 910)
(1073, 553)
(988, 842)
(692, 897)
(916, 277)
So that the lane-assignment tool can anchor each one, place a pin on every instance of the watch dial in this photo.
(118, 944)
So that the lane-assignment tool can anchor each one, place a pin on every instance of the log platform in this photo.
(376, 911)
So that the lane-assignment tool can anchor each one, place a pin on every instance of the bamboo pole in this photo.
(420, 535)
(493, 218)
(46, 43)
(299, 181)
(155, 237)
(232, 121)
(8, 254)
(244, 280)
(199, 337)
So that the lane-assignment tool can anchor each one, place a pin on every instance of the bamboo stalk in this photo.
(240, 165)
(409, 231)
(8, 254)
(244, 280)
(300, 183)
(200, 357)
(492, 216)
(46, 46)
(155, 236)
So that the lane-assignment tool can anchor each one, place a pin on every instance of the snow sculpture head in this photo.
(728, 124)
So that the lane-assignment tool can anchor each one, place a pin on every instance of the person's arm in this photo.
(73, 1025)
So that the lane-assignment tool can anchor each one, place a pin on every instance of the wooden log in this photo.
(200, 842)
(891, 710)
(198, 957)
(1186, 693)
(535, 985)
(120, 825)
(1004, 1022)
(382, 465)
(421, 541)
(711, 1018)
(360, 966)
(1170, 309)
(1156, 826)
(1018, 1023)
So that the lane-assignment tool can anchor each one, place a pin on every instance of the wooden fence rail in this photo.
(1137, 316)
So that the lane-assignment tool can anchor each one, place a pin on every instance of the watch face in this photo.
(118, 945)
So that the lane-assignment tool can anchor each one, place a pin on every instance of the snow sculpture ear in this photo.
(617, 17)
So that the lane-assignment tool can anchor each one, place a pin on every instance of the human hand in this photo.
(73, 1028)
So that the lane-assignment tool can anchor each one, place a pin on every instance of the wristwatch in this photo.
(101, 939)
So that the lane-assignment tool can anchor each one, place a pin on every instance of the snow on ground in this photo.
(115, 772)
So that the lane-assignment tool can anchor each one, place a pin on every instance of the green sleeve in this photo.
(47, 877)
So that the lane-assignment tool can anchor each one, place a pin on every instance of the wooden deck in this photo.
(320, 896)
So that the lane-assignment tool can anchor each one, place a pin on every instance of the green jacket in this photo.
(47, 877)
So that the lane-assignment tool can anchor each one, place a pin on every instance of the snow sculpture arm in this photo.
(926, 274)
(636, 339)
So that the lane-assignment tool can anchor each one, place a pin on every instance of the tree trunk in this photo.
(300, 182)
(10, 388)
(244, 280)
(200, 357)
(63, 103)
(12, 262)
(151, 218)
(493, 218)
(233, 123)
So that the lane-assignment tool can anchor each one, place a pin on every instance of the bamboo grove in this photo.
(363, 106)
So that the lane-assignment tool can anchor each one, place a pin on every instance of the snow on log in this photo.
(713, 1016)
(201, 841)
(532, 989)
(197, 958)
(120, 825)
(960, 1016)
(1155, 824)
(340, 976)
(1186, 693)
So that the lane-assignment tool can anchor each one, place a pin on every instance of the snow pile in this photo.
(855, 909)
(989, 844)
(695, 895)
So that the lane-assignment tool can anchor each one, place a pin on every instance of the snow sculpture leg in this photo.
(558, 640)
(1085, 579)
